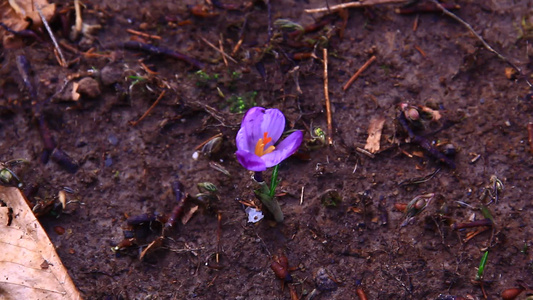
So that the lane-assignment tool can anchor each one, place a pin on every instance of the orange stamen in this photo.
(261, 143)
(266, 139)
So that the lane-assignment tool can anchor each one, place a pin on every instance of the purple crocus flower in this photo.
(256, 140)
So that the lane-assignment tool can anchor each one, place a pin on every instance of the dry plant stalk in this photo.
(62, 60)
(218, 50)
(335, 8)
(134, 123)
(326, 95)
(28, 256)
(361, 70)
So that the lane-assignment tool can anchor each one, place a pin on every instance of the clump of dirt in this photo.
(131, 109)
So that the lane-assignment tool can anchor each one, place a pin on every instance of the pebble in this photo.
(323, 281)
(89, 87)
(110, 74)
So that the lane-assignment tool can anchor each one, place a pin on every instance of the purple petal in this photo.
(251, 129)
(250, 161)
(274, 124)
(243, 140)
(286, 148)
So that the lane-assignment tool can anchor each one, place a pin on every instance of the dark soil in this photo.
(128, 170)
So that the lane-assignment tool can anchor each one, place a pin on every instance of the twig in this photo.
(138, 46)
(145, 35)
(421, 51)
(221, 47)
(62, 61)
(134, 123)
(530, 136)
(338, 7)
(365, 152)
(361, 70)
(219, 235)
(218, 50)
(480, 38)
(326, 94)
(79, 22)
(302, 195)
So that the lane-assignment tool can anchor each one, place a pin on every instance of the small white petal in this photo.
(195, 155)
(254, 216)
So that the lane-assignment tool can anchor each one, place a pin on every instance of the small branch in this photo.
(134, 123)
(361, 70)
(326, 94)
(221, 47)
(79, 22)
(218, 50)
(338, 7)
(62, 60)
(480, 38)
(142, 34)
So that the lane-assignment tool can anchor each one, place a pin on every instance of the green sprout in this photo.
(288, 25)
(482, 264)
(240, 104)
(318, 138)
(330, 198)
(203, 78)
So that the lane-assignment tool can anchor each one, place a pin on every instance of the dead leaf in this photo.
(31, 268)
(188, 215)
(435, 114)
(15, 13)
(153, 246)
(374, 134)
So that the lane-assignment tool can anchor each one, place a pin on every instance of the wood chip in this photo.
(31, 268)
(374, 134)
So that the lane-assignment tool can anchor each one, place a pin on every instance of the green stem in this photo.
(482, 264)
(274, 182)
(269, 202)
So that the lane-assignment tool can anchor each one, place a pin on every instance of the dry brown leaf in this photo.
(188, 215)
(31, 268)
(153, 246)
(14, 13)
(374, 134)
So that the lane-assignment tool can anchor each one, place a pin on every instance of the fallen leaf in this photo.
(188, 215)
(15, 13)
(31, 268)
(435, 114)
(153, 246)
(374, 134)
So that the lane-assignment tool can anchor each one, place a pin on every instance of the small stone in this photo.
(323, 281)
(110, 74)
(89, 87)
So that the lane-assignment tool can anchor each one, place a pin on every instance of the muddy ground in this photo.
(128, 170)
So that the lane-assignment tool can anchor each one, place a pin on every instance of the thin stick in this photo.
(421, 51)
(530, 136)
(480, 38)
(237, 46)
(415, 23)
(221, 47)
(302, 195)
(134, 123)
(326, 94)
(218, 50)
(219, 235)
(338, 7)
(146, 35)
(79, 22)
(62, 61)
(361, 70)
